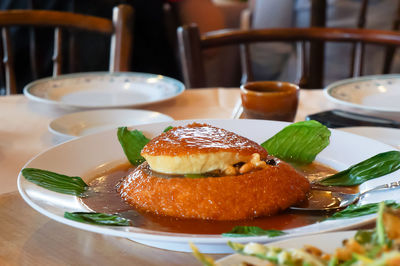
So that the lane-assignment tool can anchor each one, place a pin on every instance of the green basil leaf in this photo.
(243, 231)
(132, 143)
(361, 210)
(376, 166)
(72, 185)
(299, 142)
(97, 218)
(168, 128)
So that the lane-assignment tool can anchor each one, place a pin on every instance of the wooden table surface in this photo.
(29, 238)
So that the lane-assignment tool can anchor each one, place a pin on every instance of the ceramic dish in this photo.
(386, 135)
(104, 89)
(100, 151)
(378, 93)
(89, 122)
(327, 242)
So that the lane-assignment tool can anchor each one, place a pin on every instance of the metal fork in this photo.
(340, 199)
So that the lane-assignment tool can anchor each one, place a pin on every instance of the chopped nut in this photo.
(254, 163)
(247, 167)
(230, 170)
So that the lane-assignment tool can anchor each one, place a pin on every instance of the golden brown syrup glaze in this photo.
(200, 138)
(102, 196)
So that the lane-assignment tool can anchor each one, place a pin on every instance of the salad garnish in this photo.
(379, 246)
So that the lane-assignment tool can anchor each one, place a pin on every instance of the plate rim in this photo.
(59, 133)
(166, 237)
(356, 129)
(27, 89)
(327, 92)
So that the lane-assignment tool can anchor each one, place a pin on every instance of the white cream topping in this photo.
(195, 163)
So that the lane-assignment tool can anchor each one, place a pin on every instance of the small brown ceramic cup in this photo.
(270, 100)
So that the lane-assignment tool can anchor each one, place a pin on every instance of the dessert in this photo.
(235, 178)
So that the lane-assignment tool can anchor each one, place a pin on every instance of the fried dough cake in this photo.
(236, 181)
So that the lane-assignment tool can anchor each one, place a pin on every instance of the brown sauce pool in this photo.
(102, 196)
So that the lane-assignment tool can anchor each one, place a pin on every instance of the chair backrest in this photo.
(119, 28)
(192, 45)
(318, 15)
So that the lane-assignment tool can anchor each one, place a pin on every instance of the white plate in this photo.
(378, 94)
(104, 89)
(327, 242)
(386, 135)
(82, 155)
(89, 122)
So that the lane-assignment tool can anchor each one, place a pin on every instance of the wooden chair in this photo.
(192, 45)
(119, 28)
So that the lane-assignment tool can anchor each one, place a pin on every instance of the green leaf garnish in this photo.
(243, 231)
(203, 175)
(97, 218)
(132, 143)
(168, 128)
(72, 185)
(299, 142)
(194, 175)
(361, 210)
(376, 166)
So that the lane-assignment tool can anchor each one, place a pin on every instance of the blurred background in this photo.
(155, 47)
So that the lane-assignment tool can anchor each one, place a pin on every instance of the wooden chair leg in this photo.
(317, 49)
(358, 49)
(57, 53)
(122, 39)
(303, 67)
(247, 72)
(191, 56)
(11, 86)
(2, 71)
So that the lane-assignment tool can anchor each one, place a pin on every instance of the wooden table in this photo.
(29, 238)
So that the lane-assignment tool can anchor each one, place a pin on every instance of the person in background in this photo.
(278, 61)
